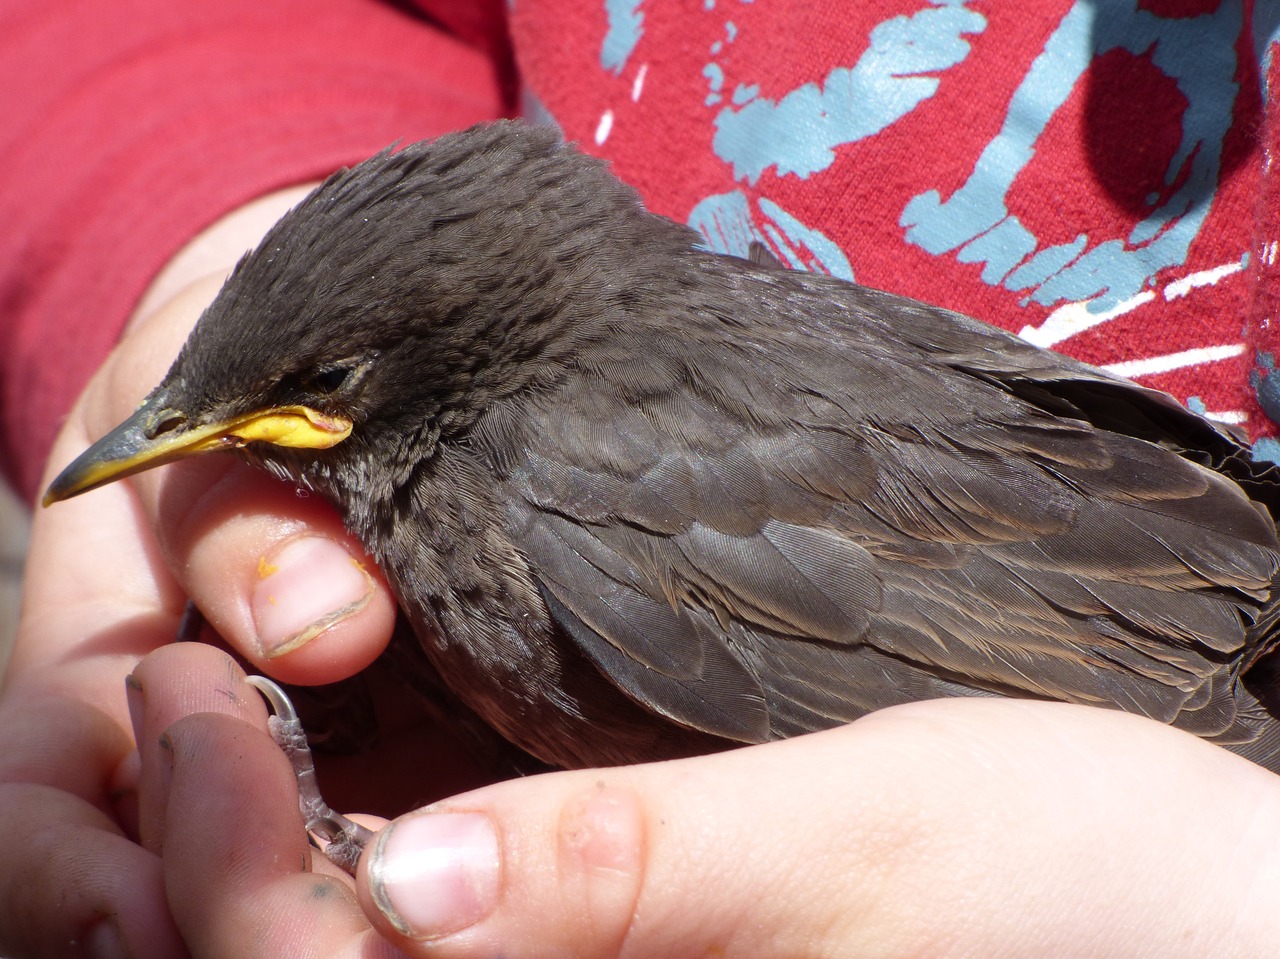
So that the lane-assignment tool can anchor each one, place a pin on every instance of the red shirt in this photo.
(1099, 184)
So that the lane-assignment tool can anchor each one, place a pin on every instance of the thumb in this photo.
(276, 575)
(953, 828)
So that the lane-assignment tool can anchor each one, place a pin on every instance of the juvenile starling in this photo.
(640, 500)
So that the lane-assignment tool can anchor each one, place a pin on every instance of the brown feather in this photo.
(642, 501)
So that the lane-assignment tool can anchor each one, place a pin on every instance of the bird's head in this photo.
(393, 305)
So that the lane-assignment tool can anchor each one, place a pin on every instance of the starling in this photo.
(641, 501)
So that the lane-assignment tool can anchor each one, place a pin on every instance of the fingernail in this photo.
(133, 695)
(436, 873)
(164, 755)
(307, 586)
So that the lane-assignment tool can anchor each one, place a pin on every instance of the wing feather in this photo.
(763, 531)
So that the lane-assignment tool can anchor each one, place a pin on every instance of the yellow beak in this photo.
(140, 442)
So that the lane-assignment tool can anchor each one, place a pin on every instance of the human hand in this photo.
(950, 828)
(102, 590)
(957, 828)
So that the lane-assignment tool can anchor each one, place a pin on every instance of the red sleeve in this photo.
(127, 127)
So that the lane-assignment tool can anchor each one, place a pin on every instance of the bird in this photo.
(640, 500)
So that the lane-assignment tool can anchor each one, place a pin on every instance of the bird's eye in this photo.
(328, 379)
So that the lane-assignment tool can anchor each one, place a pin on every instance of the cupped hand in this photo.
(952, 829)
(960, 828)
(278, 577)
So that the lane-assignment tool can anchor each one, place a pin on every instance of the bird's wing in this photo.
(835, 515)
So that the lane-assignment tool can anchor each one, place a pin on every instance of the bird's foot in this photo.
(338, 837)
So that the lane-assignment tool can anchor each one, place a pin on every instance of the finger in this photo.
(68, 875)
(236, 855)
(71, 881)
(95, 588)
(959, 828)
(72, 885)
(171, 683)
(276, 574)
(61, 742)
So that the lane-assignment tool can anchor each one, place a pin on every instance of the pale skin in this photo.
(162, 821)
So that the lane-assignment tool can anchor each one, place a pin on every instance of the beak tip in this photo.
(55, 494)
(62, 488)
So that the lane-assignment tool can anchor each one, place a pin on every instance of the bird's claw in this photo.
(338, 837)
